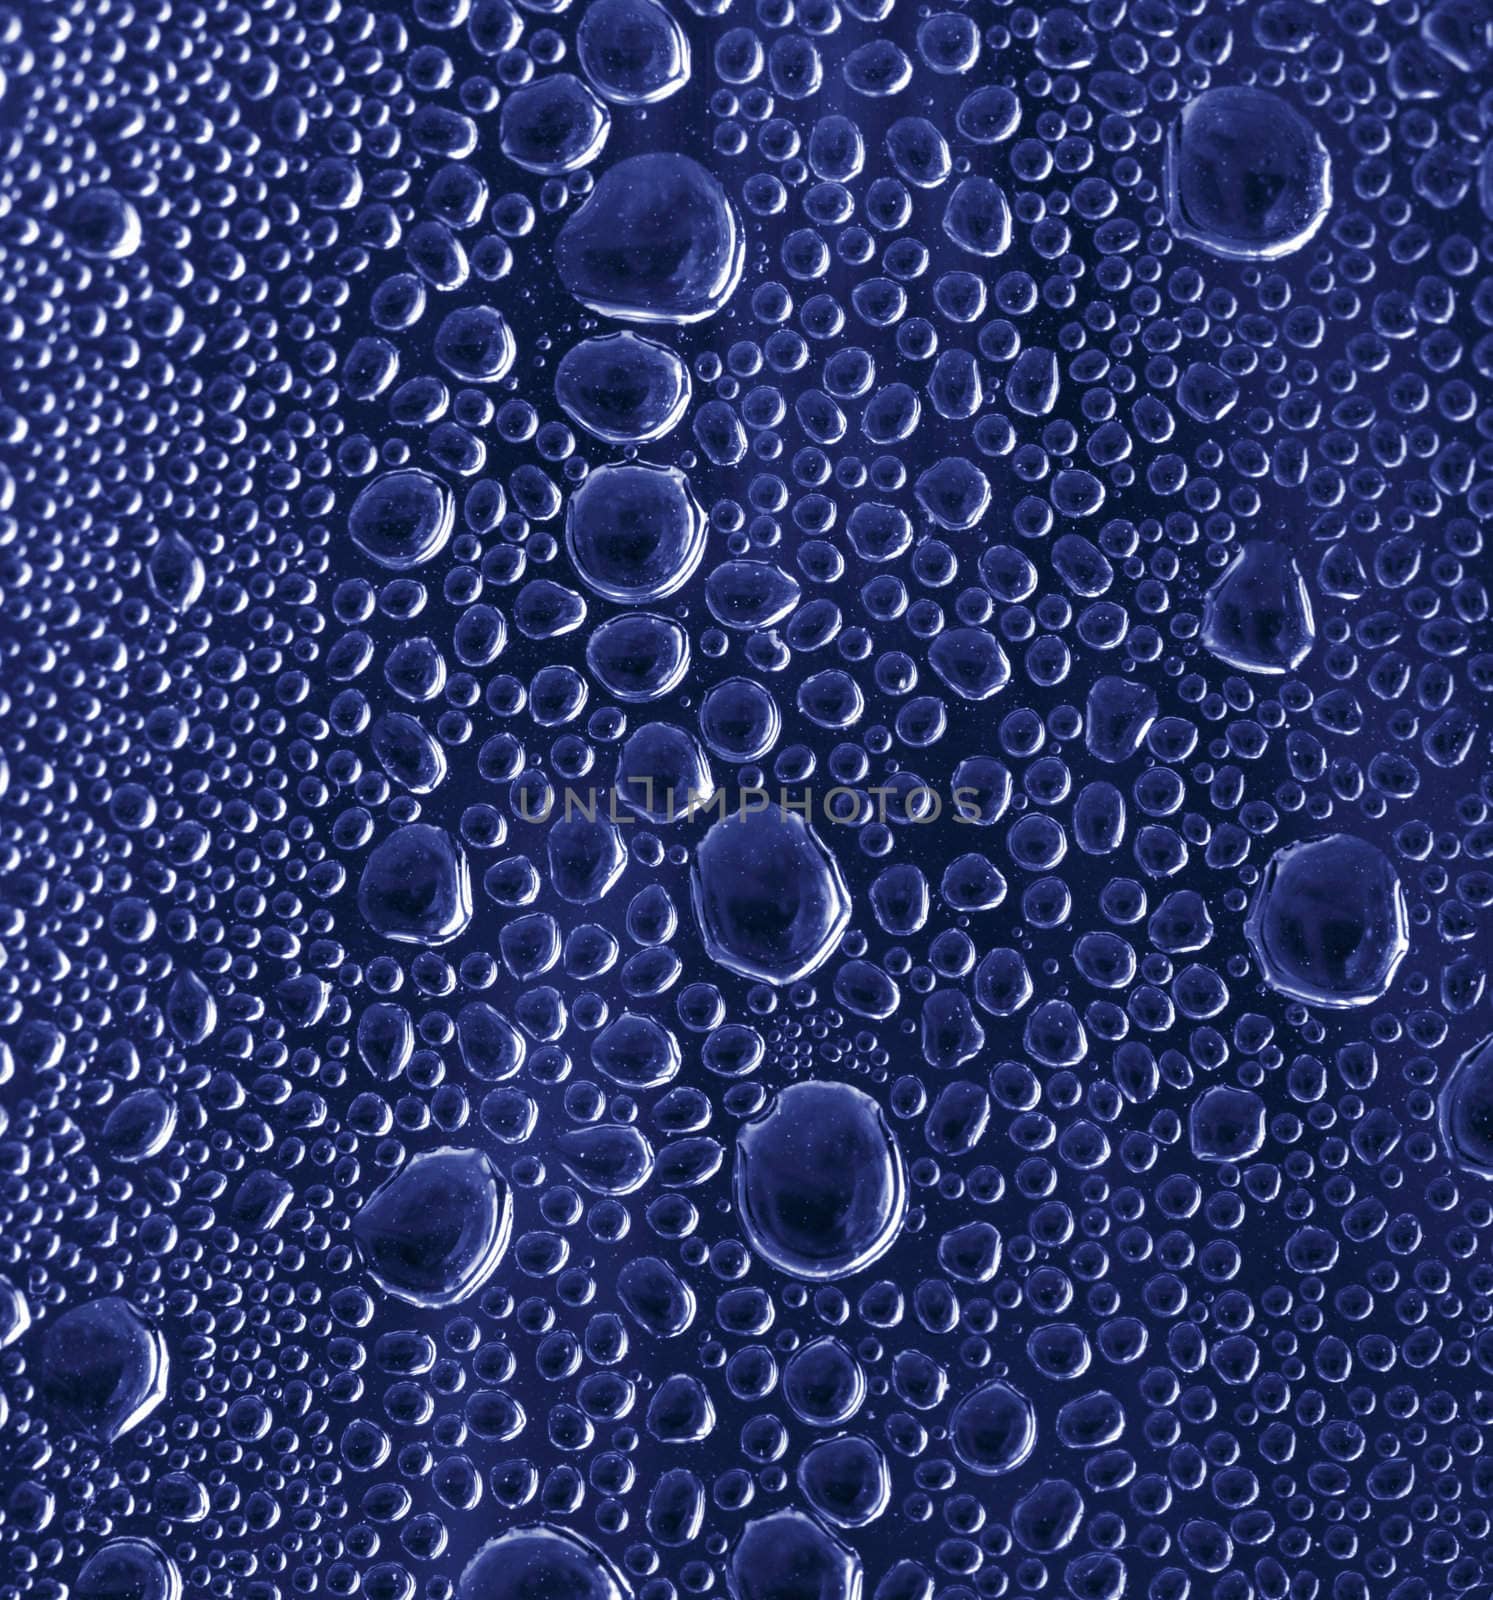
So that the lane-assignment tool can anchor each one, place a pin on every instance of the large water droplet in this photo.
(819, 1181)
(1247, 174)
(635, 532)
(436, 1230)
(788, 1556)
(102, 1368)
(1328, 924)
(402, 518)
(540, 1563)
(103, 225)
(993, 1429)
(1466, 1111)
(769, 899)
(128, 1569)
(622, 387)
(657, 241)
(416, 887)
(1258, 616)
(633, 51)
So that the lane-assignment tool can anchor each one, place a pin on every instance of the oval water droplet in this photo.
(820, 1187)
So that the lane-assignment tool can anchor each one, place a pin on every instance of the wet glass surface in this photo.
(744, 798)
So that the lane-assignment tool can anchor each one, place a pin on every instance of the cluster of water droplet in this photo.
(744, 799)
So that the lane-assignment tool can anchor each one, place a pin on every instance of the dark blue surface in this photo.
(744, 800)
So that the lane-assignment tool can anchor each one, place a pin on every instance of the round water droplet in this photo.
(740, 720)
(402, 518)
(553, 125)
(634, 532)
(845, 1480)
(638, 657)
(475, 344)
(103, 225)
